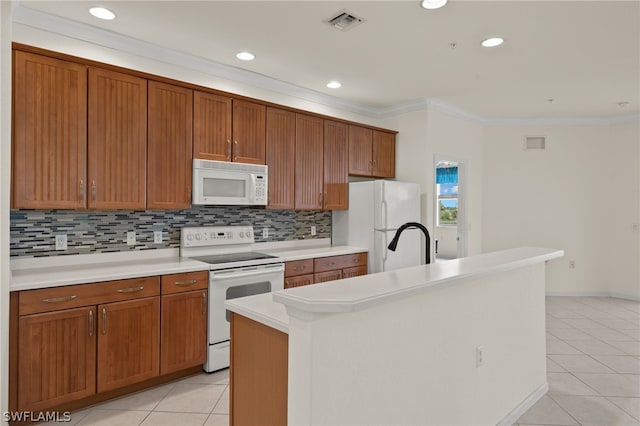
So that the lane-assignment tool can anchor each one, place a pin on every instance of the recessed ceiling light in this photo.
(334, 85)
(433, 4)
(102, 13)
(246, 56)
(492, 42)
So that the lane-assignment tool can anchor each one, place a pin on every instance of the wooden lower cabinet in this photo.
(259, 374)
(183, 330)
(312, 271)
(128, 342)
(73, 346)
(57, 358)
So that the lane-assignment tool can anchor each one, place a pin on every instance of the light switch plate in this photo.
(131, 238)
(265, 232)
(313, 230)
(157, 237)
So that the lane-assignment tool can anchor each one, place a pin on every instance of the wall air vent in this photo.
(534, 142)
(344, 20)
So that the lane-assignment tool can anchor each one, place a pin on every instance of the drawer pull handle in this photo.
(356, 260)
(90, 323)
(59, 299)
(204, 303)
(104, 321)
(299, 268)
(186, 283)
(131, 289)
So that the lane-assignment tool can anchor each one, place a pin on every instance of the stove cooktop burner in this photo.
(234, 257)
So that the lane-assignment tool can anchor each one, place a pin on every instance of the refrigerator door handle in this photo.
(384, 224)
(384, 251)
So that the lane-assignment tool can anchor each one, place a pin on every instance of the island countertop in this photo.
(361, 292)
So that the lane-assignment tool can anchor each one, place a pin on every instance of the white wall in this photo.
(412, 361)
(581, 195)
(430, 132)
(5, 169)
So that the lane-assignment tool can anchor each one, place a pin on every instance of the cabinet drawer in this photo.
(298, 281)
(331, 263)
(327, 276)
(177, 283)
(354, 272)
(73, 296)
(298, 267)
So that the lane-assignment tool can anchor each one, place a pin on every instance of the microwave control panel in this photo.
(261, 189)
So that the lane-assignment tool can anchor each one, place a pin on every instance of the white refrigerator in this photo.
(377, 209)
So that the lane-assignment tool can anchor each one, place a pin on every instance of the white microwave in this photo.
(224, 183)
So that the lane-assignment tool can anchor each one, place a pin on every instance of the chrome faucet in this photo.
(412, 225)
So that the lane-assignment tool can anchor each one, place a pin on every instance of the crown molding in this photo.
(98, 36)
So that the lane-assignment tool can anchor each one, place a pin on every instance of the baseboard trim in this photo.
(593, 294)
(522, 408)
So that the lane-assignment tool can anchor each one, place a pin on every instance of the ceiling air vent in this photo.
(345, 20)
(534, 142)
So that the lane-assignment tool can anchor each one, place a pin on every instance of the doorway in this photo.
(450, 208)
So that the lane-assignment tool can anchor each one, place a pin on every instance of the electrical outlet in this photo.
(479, 356)
(313, 230)
(265, 232)
(131, 238)
(61, 242)
(157, 237)
(572, 264)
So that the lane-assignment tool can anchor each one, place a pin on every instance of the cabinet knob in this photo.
(229, 149)
(82, 191)
(91, 323)
(235, 150)
(93, 190)
(104, 321)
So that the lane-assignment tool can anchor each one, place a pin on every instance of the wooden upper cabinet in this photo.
(57, 358)
(117, 146)
(128, 342)
(211, 126)
(249, 131)
(169, 146)
(384, 154)
(309, 184)
(360, 150)
(371, 152)
(50, 133)
(336, 166)
(280, 156)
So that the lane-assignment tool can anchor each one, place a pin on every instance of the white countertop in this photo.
(357, 293)
(55, 271)
(261, 308)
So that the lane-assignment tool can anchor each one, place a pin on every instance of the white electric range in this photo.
(234, 271)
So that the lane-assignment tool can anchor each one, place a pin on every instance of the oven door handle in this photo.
(221, 275)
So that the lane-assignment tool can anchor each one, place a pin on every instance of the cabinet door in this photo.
(327, 276)
(128, 342)
(117, 140)
(336, 166)
(298, 281)
(211, 126)
(309, 184)
(169, 149)
(280, 153)
(50, 133)
(249, 128)
(360, 148)
(57, 358)
(183, 331)
(384, 154)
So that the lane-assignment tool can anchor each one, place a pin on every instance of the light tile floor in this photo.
(593, 371)
(593, 363)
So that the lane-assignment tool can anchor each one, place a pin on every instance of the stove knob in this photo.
(198, 237)
(248, 234)
(241, 234)
(189, 237)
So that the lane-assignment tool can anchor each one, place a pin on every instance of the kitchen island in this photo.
(457, 342)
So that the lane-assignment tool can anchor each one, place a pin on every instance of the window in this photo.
(447, 204)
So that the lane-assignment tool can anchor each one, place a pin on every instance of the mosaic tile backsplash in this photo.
(33, 231)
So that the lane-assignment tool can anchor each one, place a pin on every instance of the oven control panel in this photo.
(216, 235)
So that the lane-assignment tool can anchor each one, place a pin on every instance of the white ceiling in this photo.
(585, 55)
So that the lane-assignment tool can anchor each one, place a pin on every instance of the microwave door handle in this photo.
(253, 188)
